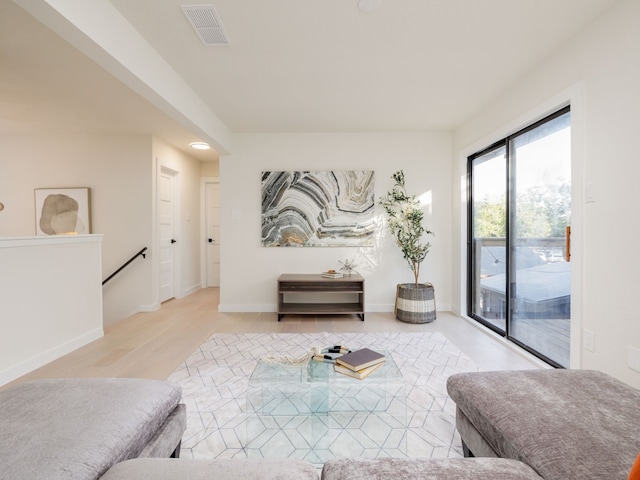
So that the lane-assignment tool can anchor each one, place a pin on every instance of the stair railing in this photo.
(139, 254)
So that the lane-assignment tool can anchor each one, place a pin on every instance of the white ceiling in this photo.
(293, 65)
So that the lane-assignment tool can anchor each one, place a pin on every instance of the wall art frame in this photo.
(63, 211)
(303, 208)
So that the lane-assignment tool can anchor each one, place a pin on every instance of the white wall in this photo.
(249, 271)
(120, 171)
(600, 71)
(117, 169)
(50, 299)
(210, 169)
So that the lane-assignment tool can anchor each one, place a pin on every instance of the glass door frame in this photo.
(509, 239)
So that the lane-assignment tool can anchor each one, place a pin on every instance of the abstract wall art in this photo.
(61, 211)
(318, 208)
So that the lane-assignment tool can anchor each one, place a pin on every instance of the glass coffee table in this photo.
(311, 412)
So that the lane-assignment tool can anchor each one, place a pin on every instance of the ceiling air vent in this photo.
(207, 24)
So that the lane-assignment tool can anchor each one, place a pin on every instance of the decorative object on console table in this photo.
(348, 266)
(360, 359)
(290, 284)
(332, 274)
(415, 303)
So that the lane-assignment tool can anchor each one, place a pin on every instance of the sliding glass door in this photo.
(489, 243)
(519, 224)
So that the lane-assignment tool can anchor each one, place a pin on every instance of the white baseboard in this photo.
(191, 290)
(384, 308)
(236, 308)
(29, 365)
(146, 308)
(379, 307)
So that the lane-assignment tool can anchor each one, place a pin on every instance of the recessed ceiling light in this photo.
(200, 146)
(368, 5)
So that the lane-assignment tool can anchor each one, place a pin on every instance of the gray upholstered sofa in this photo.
(550, 424)
(534, 424)
(336, 469)
(427, 469)
(565, 424)
(219, 469)
(78, 428)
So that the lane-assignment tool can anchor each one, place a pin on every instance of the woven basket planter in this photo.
(415, 303)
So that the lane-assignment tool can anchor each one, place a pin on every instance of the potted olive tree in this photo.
(415, 302)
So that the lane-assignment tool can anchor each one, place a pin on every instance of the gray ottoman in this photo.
(565, 424)
(78, 428)
(221, 469)
(427, 469)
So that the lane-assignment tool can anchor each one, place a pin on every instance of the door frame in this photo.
(575, 95)
(504, 152)
(203, 229)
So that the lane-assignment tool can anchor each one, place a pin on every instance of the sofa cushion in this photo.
(410, 469)
(220, 469)
(78, 428)
(563, 423)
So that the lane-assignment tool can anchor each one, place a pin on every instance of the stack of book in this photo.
(332, 274)
(359, 363)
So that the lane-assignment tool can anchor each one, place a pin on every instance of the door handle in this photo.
(211, 240)
(173, 240)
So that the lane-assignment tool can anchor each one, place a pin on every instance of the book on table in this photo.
(359, 374)
(332, 274)
(359, 359)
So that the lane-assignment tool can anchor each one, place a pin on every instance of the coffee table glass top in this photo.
(310, 411)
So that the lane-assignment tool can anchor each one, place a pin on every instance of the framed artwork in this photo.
(318, 209)
(62, 211)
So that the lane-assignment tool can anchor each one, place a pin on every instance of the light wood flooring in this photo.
(152, 345)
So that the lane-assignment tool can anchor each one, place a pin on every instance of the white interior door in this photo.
(212, 206)
(166, 215)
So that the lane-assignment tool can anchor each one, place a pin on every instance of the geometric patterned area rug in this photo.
(215, 379)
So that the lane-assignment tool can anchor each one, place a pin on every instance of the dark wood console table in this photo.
(290, 283)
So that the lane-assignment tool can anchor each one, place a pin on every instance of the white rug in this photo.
(215, 377)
